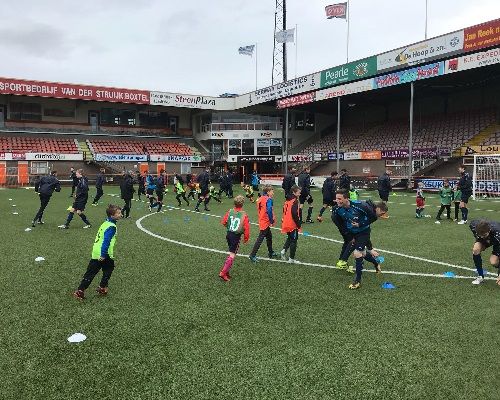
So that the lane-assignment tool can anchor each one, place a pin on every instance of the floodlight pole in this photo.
(410, 143)
(426, 11)
(285, 152)
(338, 133)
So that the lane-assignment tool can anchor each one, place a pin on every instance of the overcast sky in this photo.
(191, 46)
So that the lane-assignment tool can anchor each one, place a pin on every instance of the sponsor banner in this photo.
(333, 156)
(53, 157)
(481, 36)
(471, 61)
(300, 157)
(120, 157)
(434, 184)
(69, 91)
(471, 150)
(262, 142)
(191, 101)
(296, 100)
(422, 51)
(338, 10)
(12, 156)
(482, 186)
(173, 158)
(349, 72)
(317, 156)
(352, 155)
(343, 90)
(409, 75)
(256, 158)
(371, 155)
(417, 153)
(283, 89)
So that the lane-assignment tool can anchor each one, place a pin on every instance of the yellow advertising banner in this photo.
(471, 150)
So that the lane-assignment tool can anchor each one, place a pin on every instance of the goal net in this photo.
(486, 176)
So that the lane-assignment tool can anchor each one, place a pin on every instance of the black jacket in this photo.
(465, 183)
(47, 185)
(384, 183)
(127, 188)
(204, 180)
(304, 180)
(288, 182)
(160, 183)
(100, 180)
(329, 188)
(74, 178)
(345, 182)
(82, 188)
(494, 236)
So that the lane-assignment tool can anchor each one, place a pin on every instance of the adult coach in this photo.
(288, 182)
(45, 187)
(465, 187)
(127, 193)
(203, 180)
(74, 181)
(357, 217)
(99, 181)
(487, 234)
(384, 185)
(329, 189)
(304, 180)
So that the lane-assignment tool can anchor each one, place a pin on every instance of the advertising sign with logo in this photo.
(417, 153)
(283, 89)
(296, 100)
(70, 91)
(422, 51)
(120, 157)
(256, 158)
(481, 36)
(333, 156)
(349, 72)
(409, 75)
(471, 150)
(53, 157)
(262, 142)
(352, 155)
(470, 61)
(300, 157)
(343, 90)
(12, 156)
(371, 155)
(191, 101)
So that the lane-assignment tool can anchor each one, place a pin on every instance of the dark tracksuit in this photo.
(229, 185)
(81, 198)
(305, 194)
(204, 180)
(465, 186)
(160, 191)
(100, 180)
(286, 185)
(384, 186)
(74, 183)
(127, 193)
(329, 188)
(141, 180)
(345, 182)
(45, 187)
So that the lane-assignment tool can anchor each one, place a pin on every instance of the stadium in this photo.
(172, 325)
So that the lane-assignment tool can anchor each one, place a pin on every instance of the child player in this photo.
(487, 234)
(81, 198)
(445, 194)
(212, 194)
(249, 192)
(237, 224)
(420, 201)
(457, 195)
(266, 220)
(180, 192)
(102, 254)
(290, 223)
(328, 190)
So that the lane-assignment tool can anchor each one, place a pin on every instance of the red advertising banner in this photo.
(296, 100)
(371, 155)
(69, 91)
(483, 35)
(336, 11)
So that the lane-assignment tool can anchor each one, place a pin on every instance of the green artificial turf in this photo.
(170, 329)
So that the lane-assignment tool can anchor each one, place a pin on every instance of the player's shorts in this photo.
(465, 197)
(328, 201)
(204, 193)
(80, 203)
(150, 192)
(159, 194)
(233, 241)
(305, 197)
(496, 248)
(384, 196)
(362, 240)
(420, 202)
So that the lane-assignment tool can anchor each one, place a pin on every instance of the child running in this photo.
(180, 192)
(290, 224)
(445, 194)
(237, 224)
(212, 194)
(81, 198)
(248, 192)
(266, 220)
(420, 201)
(102, 254)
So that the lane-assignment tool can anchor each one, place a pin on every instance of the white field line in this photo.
(139, 225)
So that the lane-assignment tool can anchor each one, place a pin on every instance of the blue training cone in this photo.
(205, 218)
(380, 259)
(187, 219)
(305, 233)
(449, 274)
(388, 285)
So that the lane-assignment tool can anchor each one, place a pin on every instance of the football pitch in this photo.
(171, 329)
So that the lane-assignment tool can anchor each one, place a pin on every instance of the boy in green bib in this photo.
(102, 254)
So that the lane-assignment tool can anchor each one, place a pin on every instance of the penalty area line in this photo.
(193, 246)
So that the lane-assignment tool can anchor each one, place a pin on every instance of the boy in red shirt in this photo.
(290, 224)
(237, 224)
(266, 220)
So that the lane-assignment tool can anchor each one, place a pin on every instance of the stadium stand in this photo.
(494, 139)
(444, 131)
(26, 144)
(103, 146)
